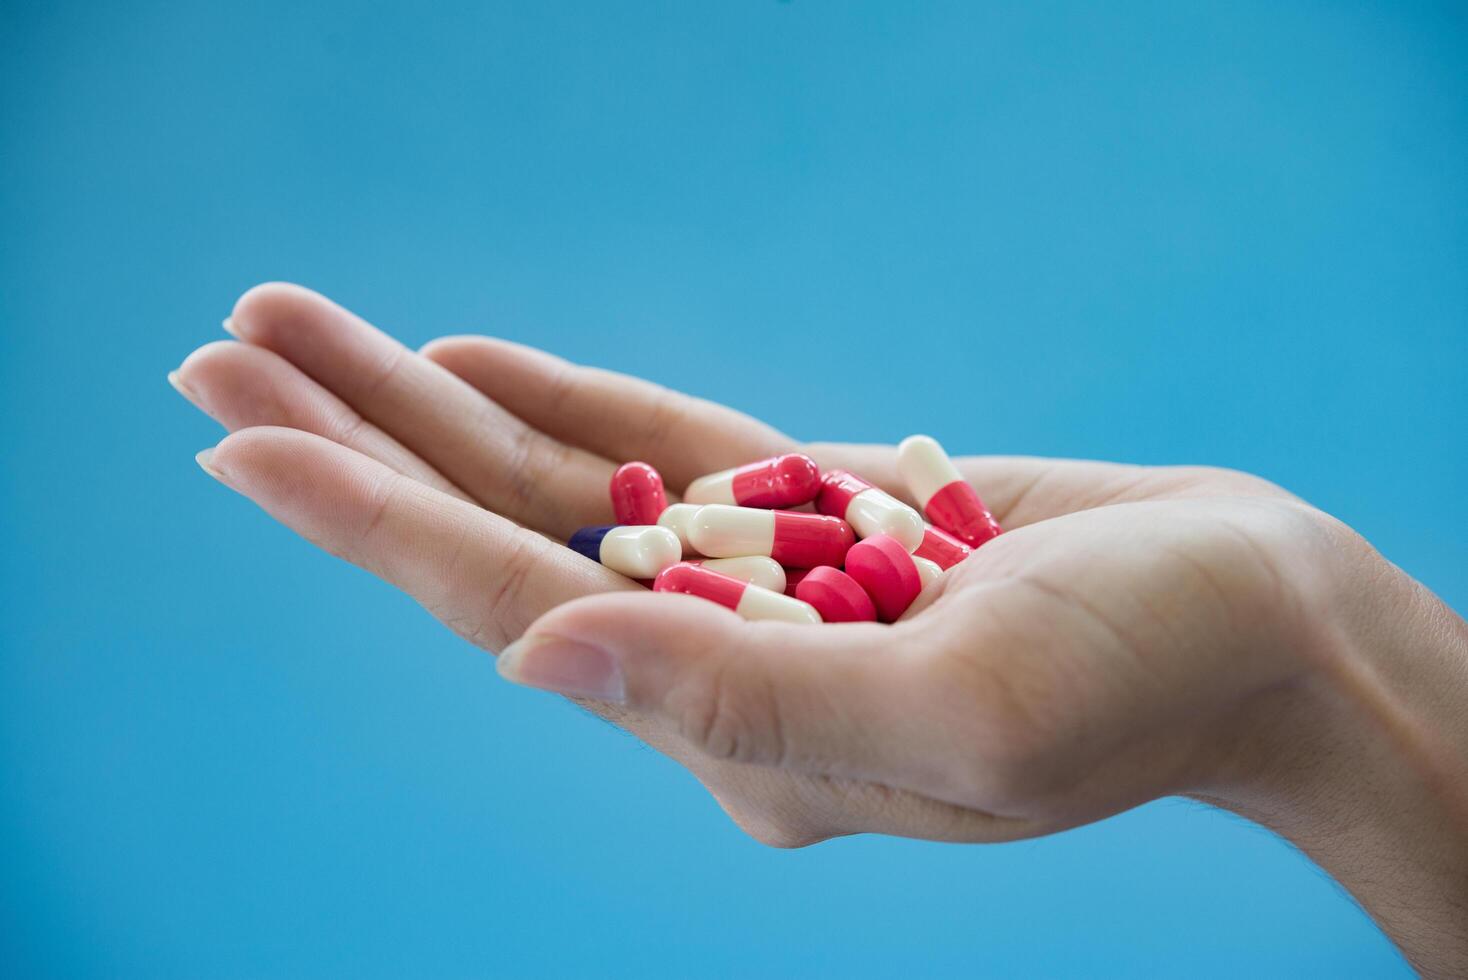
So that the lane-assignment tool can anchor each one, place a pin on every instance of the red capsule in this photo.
(637, 494)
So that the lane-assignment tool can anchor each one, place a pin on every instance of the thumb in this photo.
(840, 699)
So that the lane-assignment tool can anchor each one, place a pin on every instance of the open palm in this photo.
(1079, 664)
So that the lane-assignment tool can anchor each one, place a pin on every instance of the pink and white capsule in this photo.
(749, 601)
(754, 569)
(944, 496)
(781, 481)
(869, 510)
(675, 518)
(794, 539)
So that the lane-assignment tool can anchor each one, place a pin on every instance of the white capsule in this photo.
(761, 603)
(721, 531)
(675, 519)
(754, 569)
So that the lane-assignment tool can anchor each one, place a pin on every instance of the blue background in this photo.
(1156, 232)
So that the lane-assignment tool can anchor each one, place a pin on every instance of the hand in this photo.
(1137, 631)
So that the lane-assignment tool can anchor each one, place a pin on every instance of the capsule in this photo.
(749, 601)
(867, 509)
(675, 518)
(637, 552)
(836, 596)
(754, 569)
(944, 496)
(886, 572)
(942, 548)
(638, 496)
(793, 539)
(781, 481)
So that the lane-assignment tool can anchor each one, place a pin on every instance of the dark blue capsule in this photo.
(587, 541)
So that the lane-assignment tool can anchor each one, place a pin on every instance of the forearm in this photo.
(1362, 760)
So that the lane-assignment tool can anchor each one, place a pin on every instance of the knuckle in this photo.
(533, 460)
(384, 497)
(388, 368)
(721, 717)
(505, 610)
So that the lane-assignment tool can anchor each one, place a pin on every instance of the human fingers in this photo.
(614, 415)
(623, 418)
(854, 701)
(482, 575)
(241, 386)
(501, 462)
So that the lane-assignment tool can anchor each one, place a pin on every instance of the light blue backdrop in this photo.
(1162, 232)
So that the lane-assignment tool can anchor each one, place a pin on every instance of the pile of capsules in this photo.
(853, 553)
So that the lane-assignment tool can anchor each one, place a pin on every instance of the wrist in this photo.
(1360, 757)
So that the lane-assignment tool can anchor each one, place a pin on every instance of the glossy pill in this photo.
(942, 548)
(638, 496)
(675, 518)
(792, 538)
(637, 552)
(867, 509)
(781, 481)
(754, 569)
(836, 596)
(944, 497)
(886, 572)
(749, 601)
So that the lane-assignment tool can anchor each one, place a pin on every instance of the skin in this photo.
(1137, 631)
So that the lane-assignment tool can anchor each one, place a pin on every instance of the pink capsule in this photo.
(887, 573)
(942, 548)
(781, 481)
(943, 495)
(867, 509)
(749, 601)
(637, 494)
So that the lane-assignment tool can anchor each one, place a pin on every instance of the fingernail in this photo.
(566, 667)
(180, 386)
(229, 328)
(205, 459)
